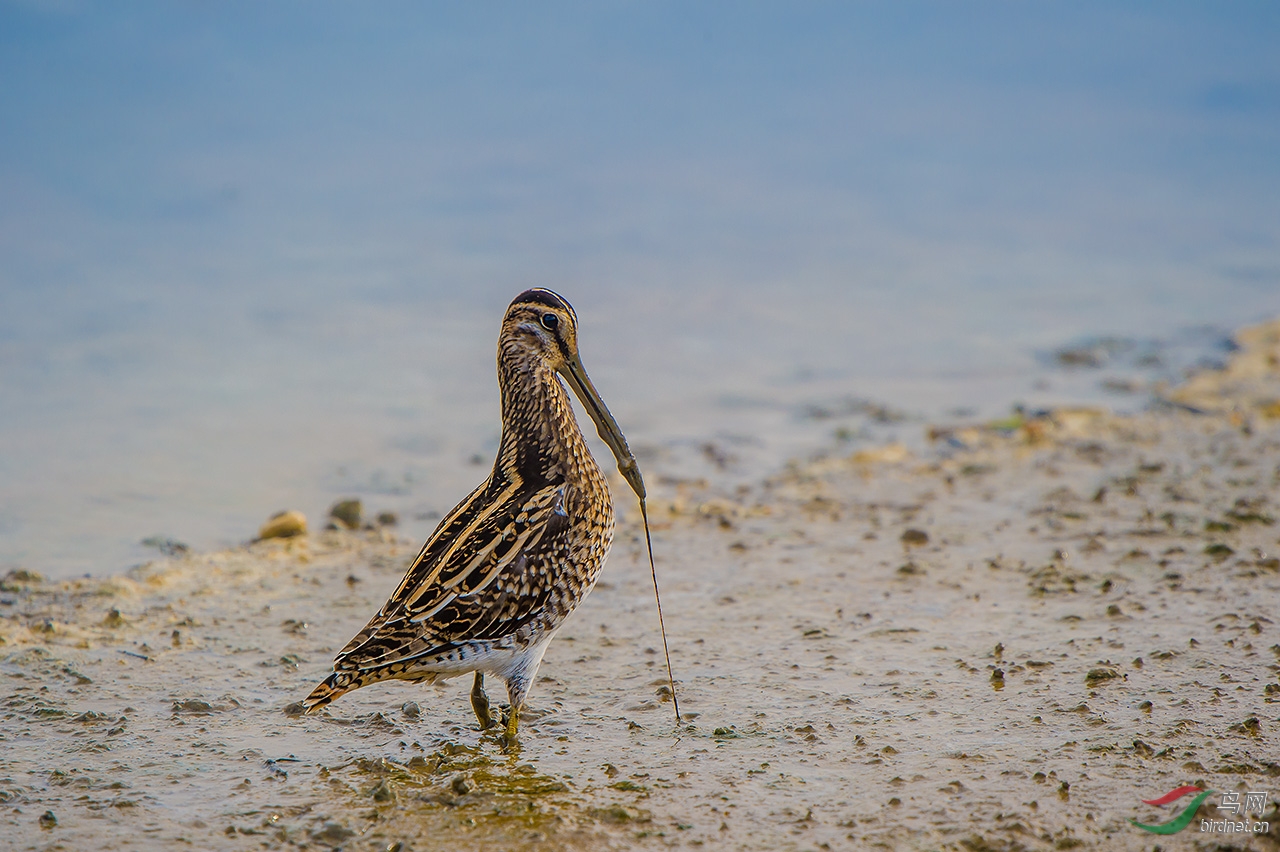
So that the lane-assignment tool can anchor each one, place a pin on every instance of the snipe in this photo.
(504, 569)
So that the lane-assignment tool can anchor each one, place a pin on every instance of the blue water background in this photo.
(253, 256)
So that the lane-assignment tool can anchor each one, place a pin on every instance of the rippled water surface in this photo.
(254, 259)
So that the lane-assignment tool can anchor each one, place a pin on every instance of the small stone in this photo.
(332, 833)
(388, 519)
(284, 525)
(48, 820)
(382, 793)
(915, 538)
(462, 785)
(628, 786)
(16, 579)
(1096, 677)
(348, 513)
(888, 454)
(411, 709)
(193, 705)
(167, 546)
(1251, 727)
(615, 814)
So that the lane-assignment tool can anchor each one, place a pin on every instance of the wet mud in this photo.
(1002, 640)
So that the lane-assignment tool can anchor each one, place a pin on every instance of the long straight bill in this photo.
(611, 433)
(606, 427)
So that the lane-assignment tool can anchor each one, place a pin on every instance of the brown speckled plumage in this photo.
(505, 568)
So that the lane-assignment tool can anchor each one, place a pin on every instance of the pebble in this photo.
(348, 513)
(284, 525)
(915, 538)
(888, 454)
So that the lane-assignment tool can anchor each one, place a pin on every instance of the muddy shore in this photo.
(1006, 641)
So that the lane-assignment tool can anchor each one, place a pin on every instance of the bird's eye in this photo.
(550, 321)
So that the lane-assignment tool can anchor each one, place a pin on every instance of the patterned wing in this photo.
(453, 526)
(481, 576)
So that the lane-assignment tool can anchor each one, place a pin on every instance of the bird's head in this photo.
(542, 324)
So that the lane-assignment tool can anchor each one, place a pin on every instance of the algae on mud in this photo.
(1117, 573)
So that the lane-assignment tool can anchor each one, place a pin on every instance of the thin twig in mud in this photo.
(644, 513)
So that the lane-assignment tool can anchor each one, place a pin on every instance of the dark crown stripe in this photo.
(542, 296)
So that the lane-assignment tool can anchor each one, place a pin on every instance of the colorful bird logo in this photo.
(1183, 819)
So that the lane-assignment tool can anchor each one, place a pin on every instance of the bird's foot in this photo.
(480, 704)
(510, 744)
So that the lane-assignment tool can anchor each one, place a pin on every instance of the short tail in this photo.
(340, 683)
(333, 687)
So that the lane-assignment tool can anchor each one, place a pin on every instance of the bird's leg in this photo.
(509, 741)
(480, 703)
(517, 690)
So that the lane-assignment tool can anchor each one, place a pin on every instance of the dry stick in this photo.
(644, 513)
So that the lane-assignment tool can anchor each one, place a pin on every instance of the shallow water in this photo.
(247, 264)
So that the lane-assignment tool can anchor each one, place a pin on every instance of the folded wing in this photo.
(484, 573)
